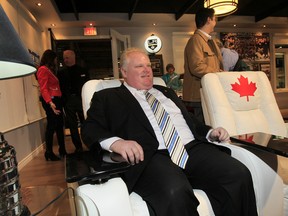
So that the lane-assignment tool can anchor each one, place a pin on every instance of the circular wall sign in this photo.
(153, 44)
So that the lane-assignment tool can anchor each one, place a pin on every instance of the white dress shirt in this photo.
(230, 58)
(208, 36)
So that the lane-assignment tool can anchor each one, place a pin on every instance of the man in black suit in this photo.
(72, 77)
(121, 120)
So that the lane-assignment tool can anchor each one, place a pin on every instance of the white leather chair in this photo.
(243, 102)
(256, 112)
(112, 198)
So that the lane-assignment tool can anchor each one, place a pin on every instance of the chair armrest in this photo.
(268, 185)
(286, 124)
(87, 166)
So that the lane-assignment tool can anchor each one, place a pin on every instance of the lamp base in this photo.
(10, 195)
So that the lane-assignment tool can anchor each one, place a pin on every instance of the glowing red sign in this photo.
(90, 31)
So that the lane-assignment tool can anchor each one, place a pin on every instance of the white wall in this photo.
(139, 35)
(28, 137)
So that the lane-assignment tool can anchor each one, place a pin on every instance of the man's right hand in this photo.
(131, 151)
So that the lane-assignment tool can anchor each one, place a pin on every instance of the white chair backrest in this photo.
(241, 102)
(158, 81)
(92, 86)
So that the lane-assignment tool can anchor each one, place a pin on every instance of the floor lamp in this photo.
(15, 61)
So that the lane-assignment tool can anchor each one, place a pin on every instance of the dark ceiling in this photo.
(260, 9)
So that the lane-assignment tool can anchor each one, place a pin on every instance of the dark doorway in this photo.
(93, 54)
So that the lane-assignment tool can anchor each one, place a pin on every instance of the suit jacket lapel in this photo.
(135, 108)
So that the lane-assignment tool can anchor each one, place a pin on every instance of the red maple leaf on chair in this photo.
(244, 88)
(246, 138)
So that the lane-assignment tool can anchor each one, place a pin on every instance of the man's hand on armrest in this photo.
(218, 134)
(131, 151)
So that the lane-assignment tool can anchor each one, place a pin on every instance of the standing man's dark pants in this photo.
(196, 109)
(74, 114)
(168, 190)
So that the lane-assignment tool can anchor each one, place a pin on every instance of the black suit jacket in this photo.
(71, 80)
(115, 112)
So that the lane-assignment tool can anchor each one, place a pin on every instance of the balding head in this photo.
(69, 58)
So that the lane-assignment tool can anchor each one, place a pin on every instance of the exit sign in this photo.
(90, 31)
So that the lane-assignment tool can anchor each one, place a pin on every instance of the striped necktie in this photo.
(172, 140)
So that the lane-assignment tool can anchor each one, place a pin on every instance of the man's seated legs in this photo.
(165, 188)
(226, 181)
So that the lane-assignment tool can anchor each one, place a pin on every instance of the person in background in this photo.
(230, 56)
(171, 78)
(72, 78)
(122, 120)
(201, 56)
(52, 103)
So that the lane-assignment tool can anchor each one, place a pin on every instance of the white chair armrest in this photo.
(97, 199)
(268, 185)
(286, 124)
(139, 206)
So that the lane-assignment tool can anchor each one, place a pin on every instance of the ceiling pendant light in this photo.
(222, 7)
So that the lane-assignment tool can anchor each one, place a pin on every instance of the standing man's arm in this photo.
(61, 79)
(201, 60)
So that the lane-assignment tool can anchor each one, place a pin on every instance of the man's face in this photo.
(212, 23)
(138, 72)
(69, 58)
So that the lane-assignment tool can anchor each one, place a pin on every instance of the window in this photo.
(281, 63)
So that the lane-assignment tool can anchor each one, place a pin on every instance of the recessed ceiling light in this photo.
(39, 4)
(264, 26)
(53, 24)
(154, 24)
(234, 25)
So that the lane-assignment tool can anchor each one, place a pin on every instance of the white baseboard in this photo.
(29, 157)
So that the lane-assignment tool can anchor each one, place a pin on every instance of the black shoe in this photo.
(62, 153)
(78, 150)
(51, 156)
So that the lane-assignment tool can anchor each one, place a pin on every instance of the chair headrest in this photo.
(243, 89)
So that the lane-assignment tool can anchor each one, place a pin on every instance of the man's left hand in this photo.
(219, 134)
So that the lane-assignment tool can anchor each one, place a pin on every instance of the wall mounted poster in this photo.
(253, 48)
(157, 64)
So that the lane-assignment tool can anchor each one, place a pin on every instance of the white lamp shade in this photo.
(222, 7)
(15, 60)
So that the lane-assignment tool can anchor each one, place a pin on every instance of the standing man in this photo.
(201, 56)
(138, 120)
(72, 78)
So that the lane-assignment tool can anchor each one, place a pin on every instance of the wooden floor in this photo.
(42, 181)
